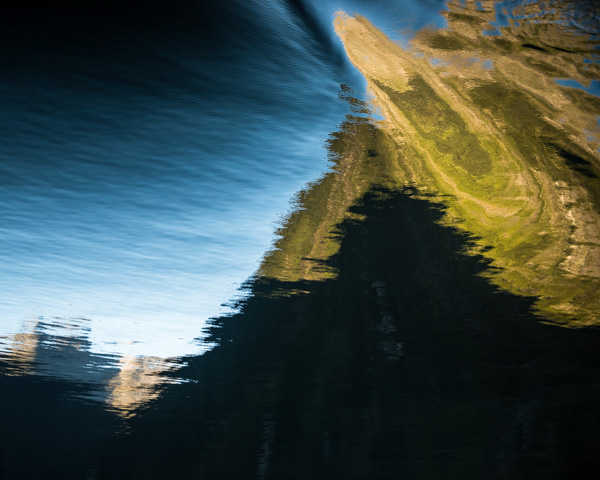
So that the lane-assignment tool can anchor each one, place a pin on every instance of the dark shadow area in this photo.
(534, 47)
(575, 162)
(564, 50)
(408, 364)
(47, 430)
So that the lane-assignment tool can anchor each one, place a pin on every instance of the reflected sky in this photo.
(593, 88)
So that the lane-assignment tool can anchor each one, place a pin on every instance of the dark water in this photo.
(148, 152)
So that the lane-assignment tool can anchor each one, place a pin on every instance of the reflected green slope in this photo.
(481, 121)
(362, 156)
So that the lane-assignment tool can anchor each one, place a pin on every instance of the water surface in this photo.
(149, 156)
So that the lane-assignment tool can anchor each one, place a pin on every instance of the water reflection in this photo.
(143, 167)
(370, 343)
(407, 361)
(60, 348)
(484, 120)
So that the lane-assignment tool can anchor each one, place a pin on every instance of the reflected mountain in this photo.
(401, 325)
(52, 400)
(361, 156)
(372, 344)
(482, 120)
(407, 321)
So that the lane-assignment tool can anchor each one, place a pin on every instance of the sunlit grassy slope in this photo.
(479, 122)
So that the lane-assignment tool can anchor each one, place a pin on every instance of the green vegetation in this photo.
(513, 155)
(360, 153)
(437, 123)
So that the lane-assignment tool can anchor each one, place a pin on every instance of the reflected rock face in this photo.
(481, 121)
(137, 382)
(60, 349)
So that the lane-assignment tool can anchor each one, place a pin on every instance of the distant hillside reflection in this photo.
(60, 348)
